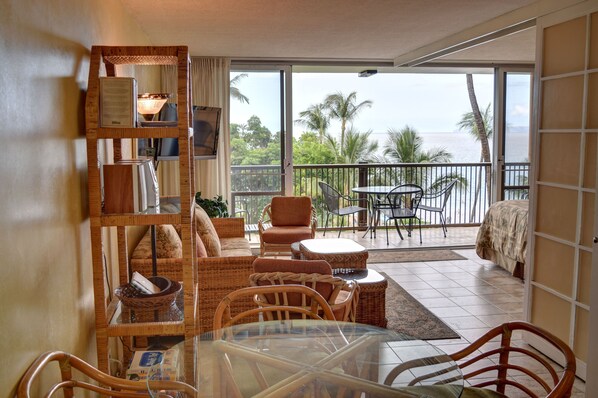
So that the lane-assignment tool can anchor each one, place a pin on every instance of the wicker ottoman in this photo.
(371, 308)
(341, 254)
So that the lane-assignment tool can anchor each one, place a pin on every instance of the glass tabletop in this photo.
(315, 358)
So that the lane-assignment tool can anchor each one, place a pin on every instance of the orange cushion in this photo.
(286, 235)
(291, 210)
(263, 264)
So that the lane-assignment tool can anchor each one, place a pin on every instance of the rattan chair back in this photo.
(312, 306)
(341, 295)
(88, 378)
(511, 368)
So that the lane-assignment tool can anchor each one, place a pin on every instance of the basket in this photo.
(132, 297)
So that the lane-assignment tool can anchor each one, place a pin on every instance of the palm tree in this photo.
(315, 119)
(356, 147)
(344, 109)
(406, 146)
(479, 125)
(234, 90)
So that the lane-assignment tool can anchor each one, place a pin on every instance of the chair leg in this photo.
(326, 224)
(420, 231)
(341, 227)
(443, 223)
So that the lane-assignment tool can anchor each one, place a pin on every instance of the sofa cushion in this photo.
(207, 232)
(235, 244)
(168, 244)
(286, 235)
(291, 210)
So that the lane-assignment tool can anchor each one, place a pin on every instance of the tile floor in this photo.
(470, 295)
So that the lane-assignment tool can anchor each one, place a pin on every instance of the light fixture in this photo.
(367, 73)
(149, 104)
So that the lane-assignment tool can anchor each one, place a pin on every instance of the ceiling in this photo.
(374, 31)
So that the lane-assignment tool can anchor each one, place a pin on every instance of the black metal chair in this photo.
(333, 199)
(399, 205)
(435, 202)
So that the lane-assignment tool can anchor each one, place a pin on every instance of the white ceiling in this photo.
(367, 30)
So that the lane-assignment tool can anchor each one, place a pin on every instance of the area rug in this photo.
(411, 255)
(407, 315)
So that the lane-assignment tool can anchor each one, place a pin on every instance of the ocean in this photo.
(463, 147)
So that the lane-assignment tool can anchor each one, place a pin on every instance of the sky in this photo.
(430, 103)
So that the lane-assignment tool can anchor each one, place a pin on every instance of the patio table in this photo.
(375, 192)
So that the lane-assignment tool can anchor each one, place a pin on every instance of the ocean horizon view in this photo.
(462, 145)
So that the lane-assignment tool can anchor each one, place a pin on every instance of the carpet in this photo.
(411, 255)
(407, 315)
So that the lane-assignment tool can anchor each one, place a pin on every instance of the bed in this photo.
(502, 237)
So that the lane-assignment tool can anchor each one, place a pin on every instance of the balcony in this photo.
(253, 187)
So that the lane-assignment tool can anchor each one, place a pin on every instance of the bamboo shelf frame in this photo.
(109, 311)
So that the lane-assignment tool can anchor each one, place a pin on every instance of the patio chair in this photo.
(435, 202)
(340, 294)
(333, 199)
(286, 220)
(507, 367)
(78, 375)
(399, 205)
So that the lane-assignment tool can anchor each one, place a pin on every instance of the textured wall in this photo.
(46, 284)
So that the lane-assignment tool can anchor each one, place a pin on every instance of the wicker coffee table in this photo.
(341, 254)
(348, 261)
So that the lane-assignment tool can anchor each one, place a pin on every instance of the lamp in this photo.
(149, 104)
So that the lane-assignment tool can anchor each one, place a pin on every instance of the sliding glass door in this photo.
(260, 137)
(512, 138)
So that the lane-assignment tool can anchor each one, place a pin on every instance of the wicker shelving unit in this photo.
(111, 317)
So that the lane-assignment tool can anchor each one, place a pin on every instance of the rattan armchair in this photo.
(93, 381)
(509, 368)
(284, 221)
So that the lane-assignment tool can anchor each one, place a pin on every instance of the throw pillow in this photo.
(168, 244)
(200, 247)
(207, 232)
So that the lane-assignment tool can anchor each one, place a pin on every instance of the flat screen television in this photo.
(206, 131)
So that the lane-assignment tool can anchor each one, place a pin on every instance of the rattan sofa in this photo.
(218, 276)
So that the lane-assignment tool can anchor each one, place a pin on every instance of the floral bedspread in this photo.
(502, 237)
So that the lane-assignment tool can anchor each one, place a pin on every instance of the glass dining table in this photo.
(375, 193)
(314, 358)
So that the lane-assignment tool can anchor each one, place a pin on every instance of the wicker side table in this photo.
(341, 254)
(371, 308)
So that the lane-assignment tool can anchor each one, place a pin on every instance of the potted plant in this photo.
(216, 207)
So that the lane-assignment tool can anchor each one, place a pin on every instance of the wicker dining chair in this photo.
(88, 378)
(311, 305)
(342, 296)
(508, 367)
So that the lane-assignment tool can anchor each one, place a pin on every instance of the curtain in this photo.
(210, 86)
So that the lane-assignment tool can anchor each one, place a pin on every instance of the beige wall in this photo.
(565, 189)
(46, 283)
